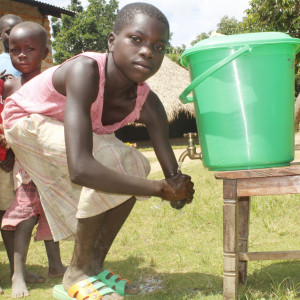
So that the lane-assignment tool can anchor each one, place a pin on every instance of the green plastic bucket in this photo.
(243, 93)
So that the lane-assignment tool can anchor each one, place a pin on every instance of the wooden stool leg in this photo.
(244, 206)
(230, 238)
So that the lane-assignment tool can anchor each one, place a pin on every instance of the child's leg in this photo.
(7, 196)
(93, 240)
(8, 240)
(111, 225)
(56, 268)
(21, 243)
(43, 232)
(80, 267)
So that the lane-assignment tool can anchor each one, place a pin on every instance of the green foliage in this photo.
(174, 53)
(274, 15)
(226, 26)
(87, 31)
(229, 26)
(175, 57)
(200, 37)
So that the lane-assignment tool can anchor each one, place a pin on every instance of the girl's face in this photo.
(138, 50)
(26, 51)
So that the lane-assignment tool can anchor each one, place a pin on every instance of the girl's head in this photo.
(129, 11)
(138, 41)
(28, 47)
(7, 22)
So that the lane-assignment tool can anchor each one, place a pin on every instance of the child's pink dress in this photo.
(26, 201)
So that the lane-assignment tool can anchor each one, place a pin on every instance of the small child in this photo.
(28, 48)
(6, 165)
(87, 178)
(7, 22)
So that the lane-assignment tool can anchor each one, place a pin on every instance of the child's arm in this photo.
(153, 115)
(84, 169)
(10, 86)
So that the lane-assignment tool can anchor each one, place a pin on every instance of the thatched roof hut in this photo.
(168, 83)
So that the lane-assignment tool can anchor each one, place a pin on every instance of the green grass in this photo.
(181, 251)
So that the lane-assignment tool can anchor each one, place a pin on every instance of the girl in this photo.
(67, 115)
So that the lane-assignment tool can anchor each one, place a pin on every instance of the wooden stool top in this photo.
(292, 170)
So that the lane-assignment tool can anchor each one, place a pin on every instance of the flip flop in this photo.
(59, 293)
(84, 289)
(118, 286)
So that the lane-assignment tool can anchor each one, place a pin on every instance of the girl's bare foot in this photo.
(19, 288)
(1, 291)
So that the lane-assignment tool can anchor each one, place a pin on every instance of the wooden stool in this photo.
(238, 187)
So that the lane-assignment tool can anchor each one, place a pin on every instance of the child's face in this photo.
(26, 51)
(138, 50)
(7, 26)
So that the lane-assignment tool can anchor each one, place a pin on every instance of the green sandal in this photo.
(118, 286)
(85, 289)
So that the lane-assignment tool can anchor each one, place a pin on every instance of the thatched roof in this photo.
(168, 83)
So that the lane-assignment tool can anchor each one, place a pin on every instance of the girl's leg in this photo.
(21, 243)
(111, 225)
(56, 268)
(80, 267)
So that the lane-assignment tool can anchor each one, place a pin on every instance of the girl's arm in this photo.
(153, 115)
(80, 79)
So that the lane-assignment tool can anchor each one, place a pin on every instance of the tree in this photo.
(274, 15)
(200, 37)
(87, 31)
(226, 26)
(230, 26)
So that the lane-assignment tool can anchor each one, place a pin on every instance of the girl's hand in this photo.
(178, 187)
(8, 164)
